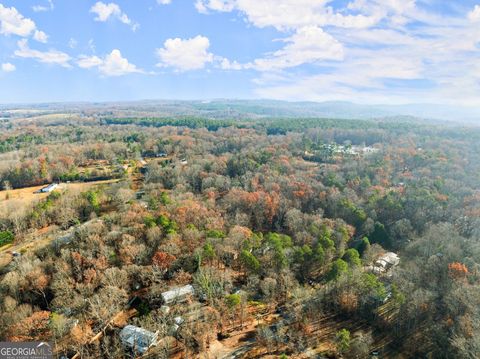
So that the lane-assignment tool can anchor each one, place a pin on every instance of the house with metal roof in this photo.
(50, 188)
(138, 339)
(178, 294)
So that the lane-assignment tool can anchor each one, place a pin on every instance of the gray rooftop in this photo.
(138, 339)
(177, 294)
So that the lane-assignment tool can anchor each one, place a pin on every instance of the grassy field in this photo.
(22, 198)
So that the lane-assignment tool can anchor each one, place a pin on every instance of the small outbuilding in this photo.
(178, 321)
(138, 339)
(50, 188)
(177, 295)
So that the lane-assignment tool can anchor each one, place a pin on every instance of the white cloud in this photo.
(389, 51)
(164, 2)
(474, 15)
(203, 6)
(43, 8)
(185, 54)
(14, 23)
(48, 57)
(289, 14)
(86, 62)
(308, 45)
(40, 8)
(112, 64)
(106, 11)
(293, 14)
(40, 36)
(226, 64)
(8, 67)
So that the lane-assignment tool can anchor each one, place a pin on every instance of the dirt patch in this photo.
(241, 341)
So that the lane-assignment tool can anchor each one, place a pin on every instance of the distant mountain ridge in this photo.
(225, 108)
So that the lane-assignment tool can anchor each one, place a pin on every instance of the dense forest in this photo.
(282, 226)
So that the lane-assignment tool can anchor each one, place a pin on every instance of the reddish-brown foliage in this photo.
(162, 260)
(89, 276)
(81, 334)
(33, 328)
(457, 270)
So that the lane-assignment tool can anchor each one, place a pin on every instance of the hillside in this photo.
(256, 237)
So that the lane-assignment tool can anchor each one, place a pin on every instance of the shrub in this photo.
(6, 237)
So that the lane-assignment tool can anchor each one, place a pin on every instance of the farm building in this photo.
(176, 295)
(138, 339)
(51, 187)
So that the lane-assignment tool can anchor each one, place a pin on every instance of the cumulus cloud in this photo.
(40, 36)
(113, 64)
(49, 57)
(8, 67)
(387, 50)
(185, 54)
(308, 45)
(12, 22)
(111, 10)
(105, 11)
(305, 18)
(289, 14)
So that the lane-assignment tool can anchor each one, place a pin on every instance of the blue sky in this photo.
(364, 51)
